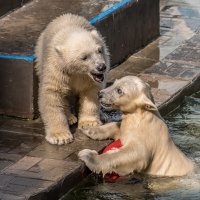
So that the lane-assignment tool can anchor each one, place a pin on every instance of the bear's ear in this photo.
(147, 104)
(59, 49)
(94, 33)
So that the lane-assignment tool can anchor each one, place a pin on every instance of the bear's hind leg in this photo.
(72, 119)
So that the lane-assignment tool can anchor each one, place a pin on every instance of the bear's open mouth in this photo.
(106, 105)
(98, 77)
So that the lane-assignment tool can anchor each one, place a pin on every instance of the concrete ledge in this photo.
(9, 5)
(126, 26)
(18, 88)
(130, 28)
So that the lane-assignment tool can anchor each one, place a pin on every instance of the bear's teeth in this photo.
(105, 105)
(98, 77)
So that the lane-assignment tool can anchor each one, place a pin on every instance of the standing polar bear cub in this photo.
(72, 59)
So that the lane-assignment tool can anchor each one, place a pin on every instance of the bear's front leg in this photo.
(106, 131)
(125, 160)
(52, 111)
(89, 109)
(107, 162)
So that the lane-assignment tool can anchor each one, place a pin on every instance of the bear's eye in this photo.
(100, 50)
(85, 57)
(119, 91)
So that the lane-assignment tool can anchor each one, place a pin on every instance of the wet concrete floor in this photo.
(179, 21)
(33, 169)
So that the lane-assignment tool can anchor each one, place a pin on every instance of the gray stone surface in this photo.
(30, 166)
(6, 196)
(163, 87)
(185, 54)
(184, 71)
(132, 66)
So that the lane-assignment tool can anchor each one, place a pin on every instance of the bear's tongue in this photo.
(98, 77)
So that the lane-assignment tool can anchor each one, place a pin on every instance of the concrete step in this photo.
(127, 26)
(10, 5)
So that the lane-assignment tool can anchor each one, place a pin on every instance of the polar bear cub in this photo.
(72, 59)
(146, 143)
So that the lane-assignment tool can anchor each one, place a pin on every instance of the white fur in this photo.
(62, 72)
(147, 145)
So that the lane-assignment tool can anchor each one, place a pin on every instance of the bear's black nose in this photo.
(101, 67)
(100, 95)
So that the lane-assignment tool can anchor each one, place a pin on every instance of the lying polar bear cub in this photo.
(146, 144)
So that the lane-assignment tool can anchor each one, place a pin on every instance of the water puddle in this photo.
(184, 125)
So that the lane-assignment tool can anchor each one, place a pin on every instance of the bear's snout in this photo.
(100, 95)
(101, 67)
(104, 100)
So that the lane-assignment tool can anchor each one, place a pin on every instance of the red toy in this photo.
(115, 145)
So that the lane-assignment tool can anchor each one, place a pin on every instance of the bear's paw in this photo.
(72, 119)
(59, 138)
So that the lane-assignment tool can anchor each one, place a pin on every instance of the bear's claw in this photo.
(86, 155)
(87, 124)
(59, 139)
(89, 157)
(72, 119)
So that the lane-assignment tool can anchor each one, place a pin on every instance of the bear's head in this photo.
(127, 94)
(83, 52)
